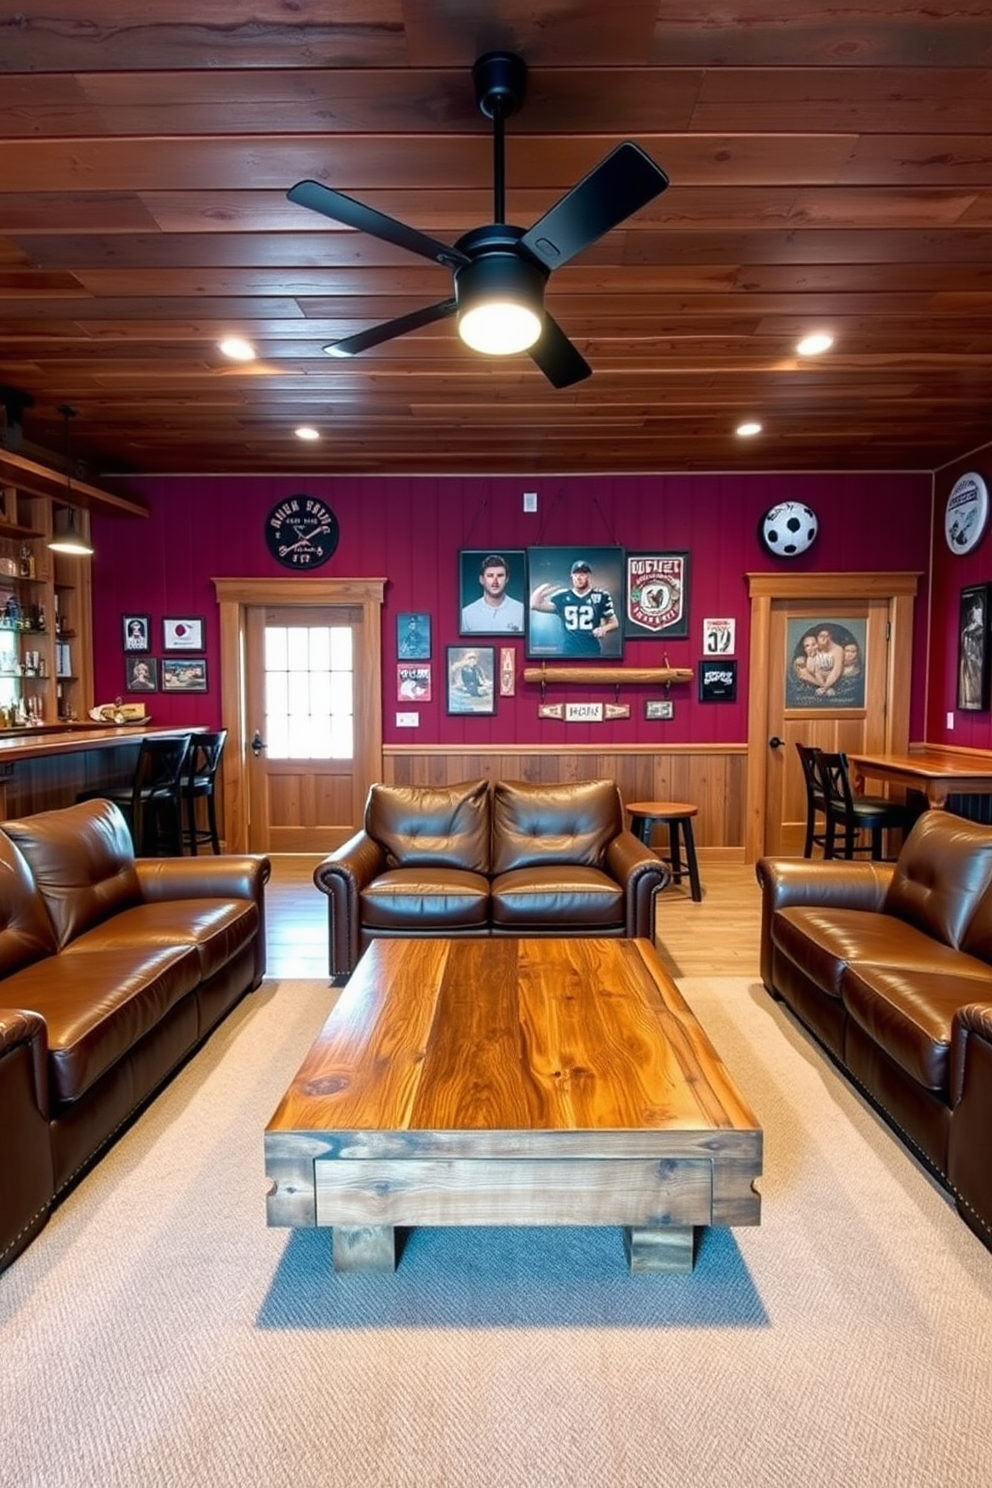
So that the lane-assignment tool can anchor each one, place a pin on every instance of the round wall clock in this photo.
(966, 514)
(301, 532)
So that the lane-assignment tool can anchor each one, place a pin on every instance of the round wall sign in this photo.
(966, 514)
(301, 532)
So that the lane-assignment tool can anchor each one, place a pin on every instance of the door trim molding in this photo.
(899, 589)
(234, 598)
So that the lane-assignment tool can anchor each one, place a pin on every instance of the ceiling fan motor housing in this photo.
(500, 79)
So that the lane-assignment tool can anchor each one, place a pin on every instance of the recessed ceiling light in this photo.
(306, 432)
(237, 349)
(747, 430)
(814, 344)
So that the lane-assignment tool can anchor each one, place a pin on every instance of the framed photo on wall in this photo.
(137, 632)
(182, 634)
(471, 677)
(576, 602)
(825, 662)
(718, 681)
(140, 674)
(657, 595)
(413, 682)
(492, 590)
(413, 635)
(188, 675)
(973, 648)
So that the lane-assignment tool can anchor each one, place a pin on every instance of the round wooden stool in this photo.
(677, 816)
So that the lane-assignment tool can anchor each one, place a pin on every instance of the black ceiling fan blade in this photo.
(375, 335)
(623, 182)
(557, 358)
(341, 208)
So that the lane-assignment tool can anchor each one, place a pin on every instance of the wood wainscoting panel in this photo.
(712, 776)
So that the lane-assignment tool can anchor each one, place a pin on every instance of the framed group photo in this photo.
(825, 662)
(188, 675)
(471, 674)
(492, 591)
(576, 602)
(973, 648)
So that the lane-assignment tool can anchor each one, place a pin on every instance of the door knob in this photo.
(774, 742)
(257, 744)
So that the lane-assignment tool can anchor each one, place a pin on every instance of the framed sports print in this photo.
(140, 674)
(492, 588)
(413, 635)
(576, 602)
(413, 682)
(188, 675)
(182, 635)
(973, 648)
(137, 632)
(657, 595)
(471, 677)
(718, 681)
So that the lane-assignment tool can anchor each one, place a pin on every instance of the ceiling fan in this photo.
(500, 270)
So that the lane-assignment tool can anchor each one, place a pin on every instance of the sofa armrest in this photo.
(227, 876)
(27, 1175)
(342, 876)
(972, 1023)
(642, 874)
(968, 1169)
(837, 883)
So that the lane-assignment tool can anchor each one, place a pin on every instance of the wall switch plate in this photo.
(530, 501)
(950, 720)
(408, 720)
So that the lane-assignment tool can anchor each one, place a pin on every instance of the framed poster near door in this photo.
(973, 648)
(825, 662)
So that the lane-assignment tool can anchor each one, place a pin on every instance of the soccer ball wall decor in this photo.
(788, 529)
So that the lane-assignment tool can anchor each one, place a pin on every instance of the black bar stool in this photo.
(677, 816)
(199, 778)
(152, 803)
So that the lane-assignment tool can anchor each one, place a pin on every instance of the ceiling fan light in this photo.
(500, 304)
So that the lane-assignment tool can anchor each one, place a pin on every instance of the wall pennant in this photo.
(616, 710)
(551, 710)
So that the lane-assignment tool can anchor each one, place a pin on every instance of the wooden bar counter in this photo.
(45, 768)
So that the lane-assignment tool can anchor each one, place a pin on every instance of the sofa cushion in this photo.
(546, 824)
(909, 1013)
(431, 826)
(82, 860)
(822, 942)
(557, 896)
(216, 928)
(426, 902)
(98, 1004)
(943, 871)
(26, 932)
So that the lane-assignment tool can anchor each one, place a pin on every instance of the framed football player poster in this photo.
(576, 602)
(657, 602)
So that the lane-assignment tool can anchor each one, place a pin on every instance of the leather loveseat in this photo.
(476, 860)
(112, 970)
(890, 966)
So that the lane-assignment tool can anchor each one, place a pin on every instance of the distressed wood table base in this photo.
(531, 1082)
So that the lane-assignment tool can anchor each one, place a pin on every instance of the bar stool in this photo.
(152, 804)
(199, 782)
(677, 816)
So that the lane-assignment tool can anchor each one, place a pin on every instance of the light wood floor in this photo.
(718, 937)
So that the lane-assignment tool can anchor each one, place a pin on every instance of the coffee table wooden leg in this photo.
(364, 1247)
(663, 1248)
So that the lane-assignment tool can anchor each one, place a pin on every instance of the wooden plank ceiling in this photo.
(831, 169)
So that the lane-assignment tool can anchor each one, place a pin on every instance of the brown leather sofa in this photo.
(890, 966)
(478, 860)
(112, 970)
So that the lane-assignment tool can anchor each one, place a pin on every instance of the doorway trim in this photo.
(899, 589)
(234, 598)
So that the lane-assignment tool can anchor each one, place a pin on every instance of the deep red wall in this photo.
(951, 574)
(409, 531)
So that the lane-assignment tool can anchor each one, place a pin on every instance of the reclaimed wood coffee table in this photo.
(512, 1082)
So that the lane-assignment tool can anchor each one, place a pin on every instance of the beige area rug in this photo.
(157, 1334)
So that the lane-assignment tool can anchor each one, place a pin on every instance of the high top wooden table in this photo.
(512, 1082)
(936, 772)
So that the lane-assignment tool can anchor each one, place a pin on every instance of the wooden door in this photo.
(300, 689)
(301, 679)
(860, 712)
